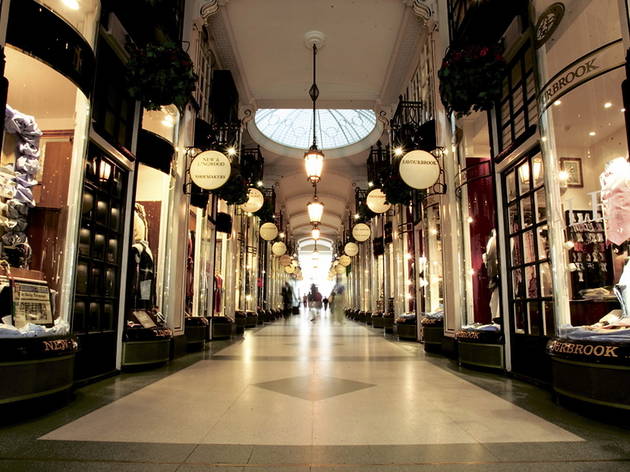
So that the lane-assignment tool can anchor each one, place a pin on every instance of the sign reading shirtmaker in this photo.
(361, 232)
(209, 170)
(419, 169)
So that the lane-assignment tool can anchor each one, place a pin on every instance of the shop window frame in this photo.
(527, 109)
(548, 320)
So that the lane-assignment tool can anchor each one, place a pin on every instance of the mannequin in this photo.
(491, 261)
(142, 266)
(218, 292)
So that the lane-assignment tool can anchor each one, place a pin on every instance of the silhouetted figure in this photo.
(325, 302)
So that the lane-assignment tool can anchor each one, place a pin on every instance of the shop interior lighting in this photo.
(105, 171)
(524, 171)
(259, 183)
(356, 216)
(607, 105)
(231, 151)
(72, 4)
(281, 235)
(370, 184)
(557, 103)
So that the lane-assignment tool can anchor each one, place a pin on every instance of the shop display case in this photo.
(586, 155)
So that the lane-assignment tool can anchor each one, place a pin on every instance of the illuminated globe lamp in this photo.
(315, 210)
(314, 164)
(315, 233)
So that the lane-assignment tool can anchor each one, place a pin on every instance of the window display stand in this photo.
(592, 372)
(481, 349)
(196, 331)
(36, 366)
(432, 334)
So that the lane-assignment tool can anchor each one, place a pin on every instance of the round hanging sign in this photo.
(351, 249)
(278, 248)
(285, 260)
(361, 232)
(268, 231)
(255, 200)
(340, 269)
(209, 170)
(419, 169)
(289, 269)
(376, 201)
(345, 261)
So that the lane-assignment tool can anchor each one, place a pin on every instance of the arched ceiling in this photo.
(369, 54)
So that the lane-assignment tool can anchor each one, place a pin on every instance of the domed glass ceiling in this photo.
(335, 128)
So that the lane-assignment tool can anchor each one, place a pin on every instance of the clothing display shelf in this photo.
(592, 259)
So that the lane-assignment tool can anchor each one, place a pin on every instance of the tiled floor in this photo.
(317, 395)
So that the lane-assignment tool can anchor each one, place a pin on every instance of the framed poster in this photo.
(573, 167)
(31, 303)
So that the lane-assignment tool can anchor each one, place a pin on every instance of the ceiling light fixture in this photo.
(315, 209)
(314, 158)
(315, 233)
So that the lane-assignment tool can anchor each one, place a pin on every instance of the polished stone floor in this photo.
(316, 393)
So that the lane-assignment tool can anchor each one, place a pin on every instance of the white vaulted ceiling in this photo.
(369, 54)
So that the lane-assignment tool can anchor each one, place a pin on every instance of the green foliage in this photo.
(160, 74)
(234, 191)
(396, 190)
(471, 78)
(266, 212)
(365, 214)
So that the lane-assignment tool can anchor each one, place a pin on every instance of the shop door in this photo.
(97, 291)
(530, 304)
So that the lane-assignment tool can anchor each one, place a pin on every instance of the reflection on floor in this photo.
(313, 395)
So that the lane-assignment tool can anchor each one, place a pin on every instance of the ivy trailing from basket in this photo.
(396, 191)
(160, 74)
(266, 212)
(365, 214)
(234, 191)
(471, 78)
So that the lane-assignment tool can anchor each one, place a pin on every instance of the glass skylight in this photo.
(335, 128)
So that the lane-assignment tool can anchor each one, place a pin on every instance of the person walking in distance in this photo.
(325, 302)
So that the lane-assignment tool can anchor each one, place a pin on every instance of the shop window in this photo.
(40, 173)
(516, 112)
(432, 280)
(530, 301)
(591, 153)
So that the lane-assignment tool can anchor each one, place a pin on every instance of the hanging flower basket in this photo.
(471, 78)
(396, 191)
(160, 74)
(266, 212)
(234, 191)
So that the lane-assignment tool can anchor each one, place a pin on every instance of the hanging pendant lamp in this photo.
(314, 158)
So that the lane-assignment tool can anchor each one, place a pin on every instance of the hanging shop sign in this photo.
(376, 201)
(361, 232)
(268, 231)
(419, 169)
(255, 200)
(289, 269)
(345, 261)
(278, 248)
(351, 249)
(285, 260)
(589, 66)
(209, 170)
(340, 269)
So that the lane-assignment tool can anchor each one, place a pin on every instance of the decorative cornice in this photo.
(426, 11)
(211, 7)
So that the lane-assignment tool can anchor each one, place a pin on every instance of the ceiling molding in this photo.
(220, 29)
(403, 60)
(426, 11)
